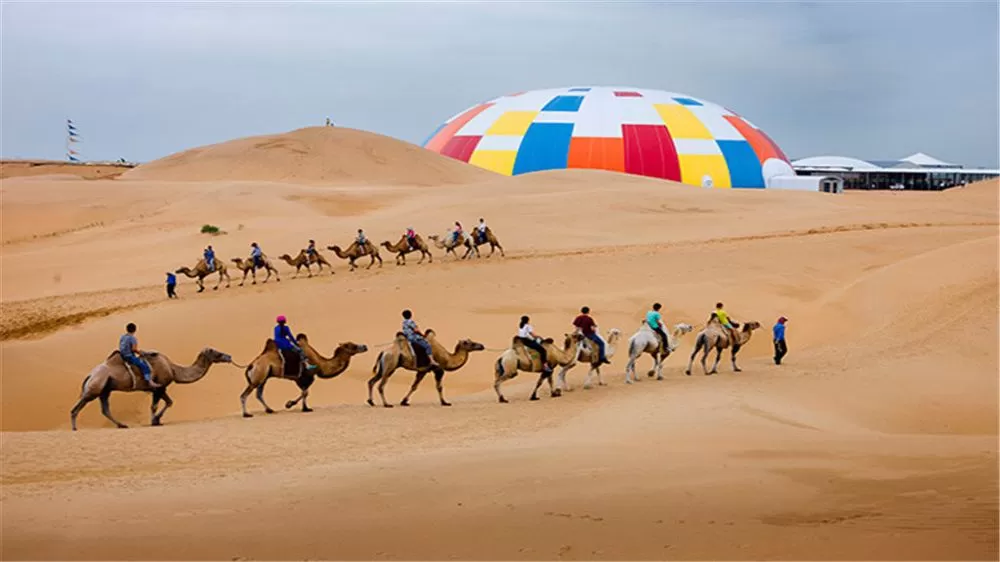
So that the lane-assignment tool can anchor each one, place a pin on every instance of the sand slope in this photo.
(876, 440)
(31, 168)
(314, 155)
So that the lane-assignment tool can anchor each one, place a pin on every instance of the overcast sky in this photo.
(143, 80)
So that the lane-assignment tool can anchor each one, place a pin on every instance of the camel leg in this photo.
(562, 382)
(413, 388)
(167, 403)
(244, 280)
(277, 276)
(201, 285)
(630, 369)
(697, 348)
(534, 393)
(83, 401)
(106, 409)
(260, 398)
(303, 394)
(371, 386)
(381, 390)
(715, 366)
(152, 407)
(496, 387)
(439, 383)
(735, 368)
(553, 391)
(243, 399)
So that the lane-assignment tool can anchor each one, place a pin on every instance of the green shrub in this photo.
(209, 229)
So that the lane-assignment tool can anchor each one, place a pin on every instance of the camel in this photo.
(645, 340)
(305, 260)
(587, 353)
(270, 364)
(200, 272)
(716, 336)
(246, 266)
(403, 247)
(113, 375)
(354, 252)
(449, 247)
(400, 356)
(488, 238)
(517, 357)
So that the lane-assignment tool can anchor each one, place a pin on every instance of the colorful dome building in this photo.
(636, 131)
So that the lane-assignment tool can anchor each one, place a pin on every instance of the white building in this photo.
(918, 172)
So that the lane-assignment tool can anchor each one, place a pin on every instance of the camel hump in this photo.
(301, 337)
(548, 340)
(270, 346)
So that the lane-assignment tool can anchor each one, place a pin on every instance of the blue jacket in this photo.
(779, 332)
(171, 279)
(283, 337)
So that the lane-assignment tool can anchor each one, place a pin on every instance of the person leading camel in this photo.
(128, 346)
(586, 325)
(171, 286)
(780, 347)
(416, 339)
(724, 319)
(655, 321)
(209, 256)
(526, 335)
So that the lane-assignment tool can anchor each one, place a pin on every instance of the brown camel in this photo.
(246, 266)
(354, 252)
(403, 247)
(518, 357)
(588, 353)
(270, 364)
(449, 246)
(200, 272)
(486, 238)
(305, 260)
(113, 375)
(400, 356)
(718, 337)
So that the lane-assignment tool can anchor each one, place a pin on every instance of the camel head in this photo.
(682, 328)
(614, 334)
(184, 270)
(433, 237)
(215, 356)
(750, 326)
(469, 345)
(387, 244)
(351, 348)
(237, 261)
(334, 248)
(285, 257)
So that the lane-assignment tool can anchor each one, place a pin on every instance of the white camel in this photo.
(587, 353)
(645, 340)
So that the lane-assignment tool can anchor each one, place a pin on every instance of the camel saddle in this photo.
(138, 381)
(292, 363)
(526, 354)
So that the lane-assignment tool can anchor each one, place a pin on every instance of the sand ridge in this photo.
(876, 439)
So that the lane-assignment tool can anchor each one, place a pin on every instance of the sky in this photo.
(875, 80)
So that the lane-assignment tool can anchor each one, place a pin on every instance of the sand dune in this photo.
(314, 155)
(876, 440)
(34, 168)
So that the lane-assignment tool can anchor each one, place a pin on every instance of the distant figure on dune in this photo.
(171, 286)
(780, 347)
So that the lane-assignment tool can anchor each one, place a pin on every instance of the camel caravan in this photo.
(361, 247)
(295, 359)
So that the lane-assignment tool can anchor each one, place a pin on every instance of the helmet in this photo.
(281, 318)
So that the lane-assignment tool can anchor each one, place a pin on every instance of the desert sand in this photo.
(877, 439)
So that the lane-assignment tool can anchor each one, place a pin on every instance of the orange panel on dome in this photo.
(445, 134)
(761, 145)
(601, 153)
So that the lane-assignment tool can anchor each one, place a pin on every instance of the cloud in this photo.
(876, 80)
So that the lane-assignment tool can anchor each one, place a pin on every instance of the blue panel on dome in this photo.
(436, 131)
(687, 101)
(744, 167)
(579, 89)
(545, 147)
(564, 103)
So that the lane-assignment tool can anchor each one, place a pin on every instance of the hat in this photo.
(782, 319)
(281, 318)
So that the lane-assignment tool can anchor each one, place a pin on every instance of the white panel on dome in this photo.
(597, 117)
(557, 117)
(697, 146)
(478, 125)
(499, 142)
(637, 111)
(716, 123)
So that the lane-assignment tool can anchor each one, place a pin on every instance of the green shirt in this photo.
(721, 314)
(654, 319)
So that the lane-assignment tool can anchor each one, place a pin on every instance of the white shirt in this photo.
(481, 227)
(525, 331)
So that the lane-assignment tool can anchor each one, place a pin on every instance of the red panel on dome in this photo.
(650, 151)
(762, 146)
(461, 147)
(628, 95)
(444, 136)
(599, 153)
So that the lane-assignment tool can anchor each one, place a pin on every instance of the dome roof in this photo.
(632, 130)
(843, 162)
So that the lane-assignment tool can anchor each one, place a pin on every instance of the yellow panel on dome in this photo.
(512, 123)
(500, 161)
(681, 122)
(694, 168)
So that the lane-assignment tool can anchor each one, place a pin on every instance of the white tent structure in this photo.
(922, 160)
(918, 171)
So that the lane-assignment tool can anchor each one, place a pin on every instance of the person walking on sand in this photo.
(128, 346)
(171, 286)
(780, 347)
